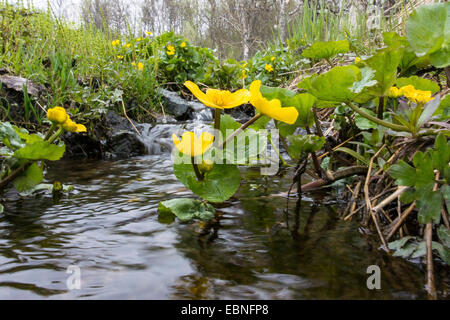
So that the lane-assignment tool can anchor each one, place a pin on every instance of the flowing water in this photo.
(108, 227)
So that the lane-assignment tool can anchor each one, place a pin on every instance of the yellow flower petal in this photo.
(80, 128)
(200, 95)
(271, 108)
(237, 98)
(268, 67)
(57, 115)
(191, 145)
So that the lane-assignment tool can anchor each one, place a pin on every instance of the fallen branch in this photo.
(399, 221)
(389, 199)
(341, 174)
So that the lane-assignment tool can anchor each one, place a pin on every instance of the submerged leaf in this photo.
(186, 209)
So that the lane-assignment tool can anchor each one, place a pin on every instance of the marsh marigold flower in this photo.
(183, 44)
(357, 60)
(120, 57)
(191, 145)
(127, 45)
(271, 108)
(416, 96)
(57, 115)
(220, 99)
(394, 92)
(140, 66)
(268, 67)
(71, 126)
(170, 50)
(272, 59)
(115, 42)
(148, 33)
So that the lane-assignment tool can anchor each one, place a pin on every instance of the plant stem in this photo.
(198, 174)
(242, 128)
(383, 123)
(278, 153)
(316, 163)
(56, 135)
(381, 103)
(14, 174)
(50, 131)
(217, 114)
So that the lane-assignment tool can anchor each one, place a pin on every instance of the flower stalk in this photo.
(395, 127)
(198, 174)
(242, 128)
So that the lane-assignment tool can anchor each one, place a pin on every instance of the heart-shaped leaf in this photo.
(218, 185)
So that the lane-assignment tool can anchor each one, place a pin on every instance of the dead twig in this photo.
(129, 120)
(367, 198)
(389, 199)
(399, 221)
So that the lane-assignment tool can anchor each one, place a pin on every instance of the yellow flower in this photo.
(183, 44)
(139, 39)
(119, 57)
(244, 65)
(357, 60)
(133, 64)
(272, 59)
(170, 50)
(416, 96)
(394, 92)
(71, 126)
(115, 42)
(140, 66)
(148, 33)
(57, 115)
(191, 145)
(268, 67)
(271, 108)
(244, 74)
(220, 99)
(127, 45)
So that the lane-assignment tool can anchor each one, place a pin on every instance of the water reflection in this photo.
(108, 226)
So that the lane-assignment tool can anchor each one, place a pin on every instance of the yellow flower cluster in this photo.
(191, 145)
(115, 43)
(59, 116)
(268, 67)
(170, 50)
(139, 65)
(183, 44)
(412, 94)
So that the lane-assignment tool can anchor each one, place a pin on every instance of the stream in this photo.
(108, 227)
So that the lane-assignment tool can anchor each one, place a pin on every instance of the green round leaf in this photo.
(418, 83)
(185, 210)
(218, 185)
(428, 32)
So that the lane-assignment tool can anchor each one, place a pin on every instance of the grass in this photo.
(323, 25)
(79, 66)
(84, 71)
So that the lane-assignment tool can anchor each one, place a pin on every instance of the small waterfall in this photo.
(157, 137)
